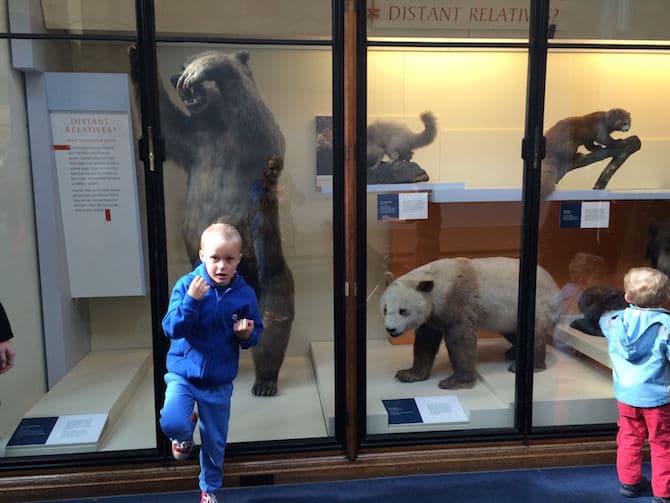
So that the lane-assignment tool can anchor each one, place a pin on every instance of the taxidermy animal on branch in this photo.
(396, 141)
(591, 131)
(221, 135)
(449, 299)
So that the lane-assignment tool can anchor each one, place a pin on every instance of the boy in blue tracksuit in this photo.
(639, 349)
(212, 313)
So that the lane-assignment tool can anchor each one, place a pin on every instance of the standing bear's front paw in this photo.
(264, 388)
(458, 382)
(411, 375)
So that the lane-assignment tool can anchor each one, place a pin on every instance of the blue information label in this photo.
(388, 206)
(402, 411)
(33, 431)
(571, 215)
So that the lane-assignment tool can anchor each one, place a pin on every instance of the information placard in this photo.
(97, 184)
(425, 409)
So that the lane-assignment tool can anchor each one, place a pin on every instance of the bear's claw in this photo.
(410, 375)
(264, 388)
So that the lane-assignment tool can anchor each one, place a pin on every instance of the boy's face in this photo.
(221, 257)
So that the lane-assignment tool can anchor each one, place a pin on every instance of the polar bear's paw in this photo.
(457, 382)
(411, 375)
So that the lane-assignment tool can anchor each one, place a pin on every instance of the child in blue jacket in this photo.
(639, 349)
(212, 313)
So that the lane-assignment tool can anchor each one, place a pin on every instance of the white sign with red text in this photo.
(95, 167)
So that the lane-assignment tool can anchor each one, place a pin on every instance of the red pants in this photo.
(634, 425)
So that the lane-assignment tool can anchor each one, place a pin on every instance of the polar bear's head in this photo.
(405, 305)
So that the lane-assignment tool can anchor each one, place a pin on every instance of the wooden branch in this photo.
(632, 144)
(618, 154)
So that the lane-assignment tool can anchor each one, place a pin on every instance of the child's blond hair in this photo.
(226, 231)
(646, 287)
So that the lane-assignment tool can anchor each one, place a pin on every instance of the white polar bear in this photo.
(451, 298)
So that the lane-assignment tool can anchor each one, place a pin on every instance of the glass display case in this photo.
(419, 143)
(603, 201)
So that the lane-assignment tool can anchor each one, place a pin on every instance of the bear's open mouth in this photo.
(193, 98)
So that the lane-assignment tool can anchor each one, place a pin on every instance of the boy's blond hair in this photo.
(646, 287)
(226, 231)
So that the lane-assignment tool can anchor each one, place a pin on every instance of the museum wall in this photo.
(19, 278)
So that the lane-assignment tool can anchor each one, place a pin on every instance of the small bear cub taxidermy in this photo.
(397, 141)
(566, 136)
(590, 130)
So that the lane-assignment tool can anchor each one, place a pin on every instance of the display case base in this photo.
(103, 382)
(570, 391)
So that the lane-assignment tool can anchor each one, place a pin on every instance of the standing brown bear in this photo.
(222, 141)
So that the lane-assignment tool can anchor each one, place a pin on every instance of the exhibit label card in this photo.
(58, 430)
(595, 214)
(402, 411)
(97, 183)
(77, 429)
(403, 206)
(441, 409)
(32, 431)
(425, 409)
(413, 205)
(571, 214)
(585, 215)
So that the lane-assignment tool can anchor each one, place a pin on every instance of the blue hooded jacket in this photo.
(204, 347)
(638, 345)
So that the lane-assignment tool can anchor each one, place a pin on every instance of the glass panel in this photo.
(64, 16)
(468, 20)
(605, 130)
(276, 19)
(74, 274)
(219, 132)
(458, 196)
(603, 20)
(3, 16)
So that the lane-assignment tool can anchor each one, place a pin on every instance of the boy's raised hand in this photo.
(198, 288)
(243, 329)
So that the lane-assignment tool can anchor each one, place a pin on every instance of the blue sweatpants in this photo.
(214, 413)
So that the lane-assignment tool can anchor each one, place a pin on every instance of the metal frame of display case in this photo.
(521, 446)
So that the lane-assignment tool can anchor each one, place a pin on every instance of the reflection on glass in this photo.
(230, 117)
(444, 177)
(59, 16)
(84, 376)
(468, 20)
(604, 210)
(284, 19)
(603, 21)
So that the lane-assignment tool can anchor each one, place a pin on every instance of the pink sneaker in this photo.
(182, 450)
(208, 498)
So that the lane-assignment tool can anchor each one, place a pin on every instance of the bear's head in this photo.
(618, 119)
(405, 305)
(212, 77)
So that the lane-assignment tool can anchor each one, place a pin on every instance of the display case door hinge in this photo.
(346, 152)
(346, 289)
